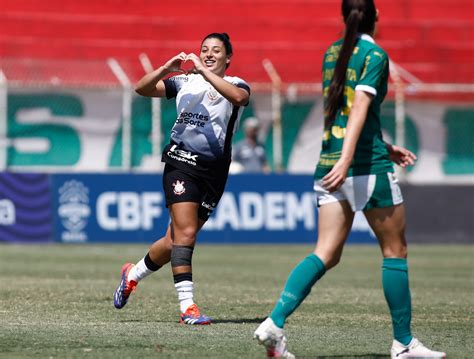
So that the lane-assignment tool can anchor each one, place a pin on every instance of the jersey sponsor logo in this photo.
(178, 188)
(193, 119)
(182, 156)
(351, 74)
(209, 206)
(179, 78)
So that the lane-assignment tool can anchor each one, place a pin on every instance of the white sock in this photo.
(139, 271)
(185, 294)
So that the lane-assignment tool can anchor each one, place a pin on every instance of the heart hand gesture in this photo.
(175, 63)
(197, 67)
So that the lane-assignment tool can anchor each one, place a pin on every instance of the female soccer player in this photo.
(209, 105)
(354, 173)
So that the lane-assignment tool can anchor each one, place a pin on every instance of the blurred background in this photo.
(80, 151)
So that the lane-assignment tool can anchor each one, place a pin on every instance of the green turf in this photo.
(56, 302)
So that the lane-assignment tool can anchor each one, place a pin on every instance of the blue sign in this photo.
(25, 208)
(131, 208)
(108, 208)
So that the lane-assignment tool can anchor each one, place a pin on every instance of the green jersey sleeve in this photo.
(374, 70)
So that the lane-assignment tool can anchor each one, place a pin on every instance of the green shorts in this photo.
(363, 192)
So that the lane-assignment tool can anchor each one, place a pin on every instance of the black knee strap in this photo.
(181, 256)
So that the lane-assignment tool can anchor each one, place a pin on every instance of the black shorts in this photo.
(185, 186)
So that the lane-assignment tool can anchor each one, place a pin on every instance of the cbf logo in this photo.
(74, 210)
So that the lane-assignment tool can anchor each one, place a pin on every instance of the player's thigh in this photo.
(184, 222)
(334, 224)
(388, 224)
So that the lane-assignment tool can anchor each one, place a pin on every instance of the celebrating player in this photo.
(354, 173)
(209, 105)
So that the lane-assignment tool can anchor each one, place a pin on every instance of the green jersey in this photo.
(367, 71)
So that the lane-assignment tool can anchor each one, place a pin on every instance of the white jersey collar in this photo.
(367, 37)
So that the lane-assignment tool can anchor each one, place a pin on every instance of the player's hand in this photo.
(197, 64)
(174, 64)
(401, 156)
(337, 176)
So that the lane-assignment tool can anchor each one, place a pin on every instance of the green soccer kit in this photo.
(367, 71)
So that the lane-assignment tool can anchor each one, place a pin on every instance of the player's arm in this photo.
(336, 177)
(152, 85)
(236, 95)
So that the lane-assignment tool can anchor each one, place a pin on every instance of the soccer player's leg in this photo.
(388, 224)
(335, 221)
(185, 225)
(158, 255)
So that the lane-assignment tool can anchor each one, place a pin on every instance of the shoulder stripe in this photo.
(230, 131)
(243, 86)
(170, 89)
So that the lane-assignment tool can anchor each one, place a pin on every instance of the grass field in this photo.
(56, 302)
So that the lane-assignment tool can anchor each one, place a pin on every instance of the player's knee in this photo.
(397, 249)
(168, 244)
(185, 235)
(330, 260)
(396, 253)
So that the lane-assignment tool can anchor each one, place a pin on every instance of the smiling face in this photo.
(213, 55)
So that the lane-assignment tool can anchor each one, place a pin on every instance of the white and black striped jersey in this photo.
(206, 120)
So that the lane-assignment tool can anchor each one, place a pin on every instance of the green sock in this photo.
(397, 294)
(297, 287)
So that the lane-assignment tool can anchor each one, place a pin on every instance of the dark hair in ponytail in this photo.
(359, 17)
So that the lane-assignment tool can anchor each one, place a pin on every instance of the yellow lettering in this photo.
(376, 53)
(349, 93)
(335, 49)
(328, 74)
(333, 53)
(338, 132)
(367, 60)
(351, 75)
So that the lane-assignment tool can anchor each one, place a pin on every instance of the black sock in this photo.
(181, 277)
(150, 264)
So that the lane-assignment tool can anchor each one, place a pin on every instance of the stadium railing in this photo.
(102, 103)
